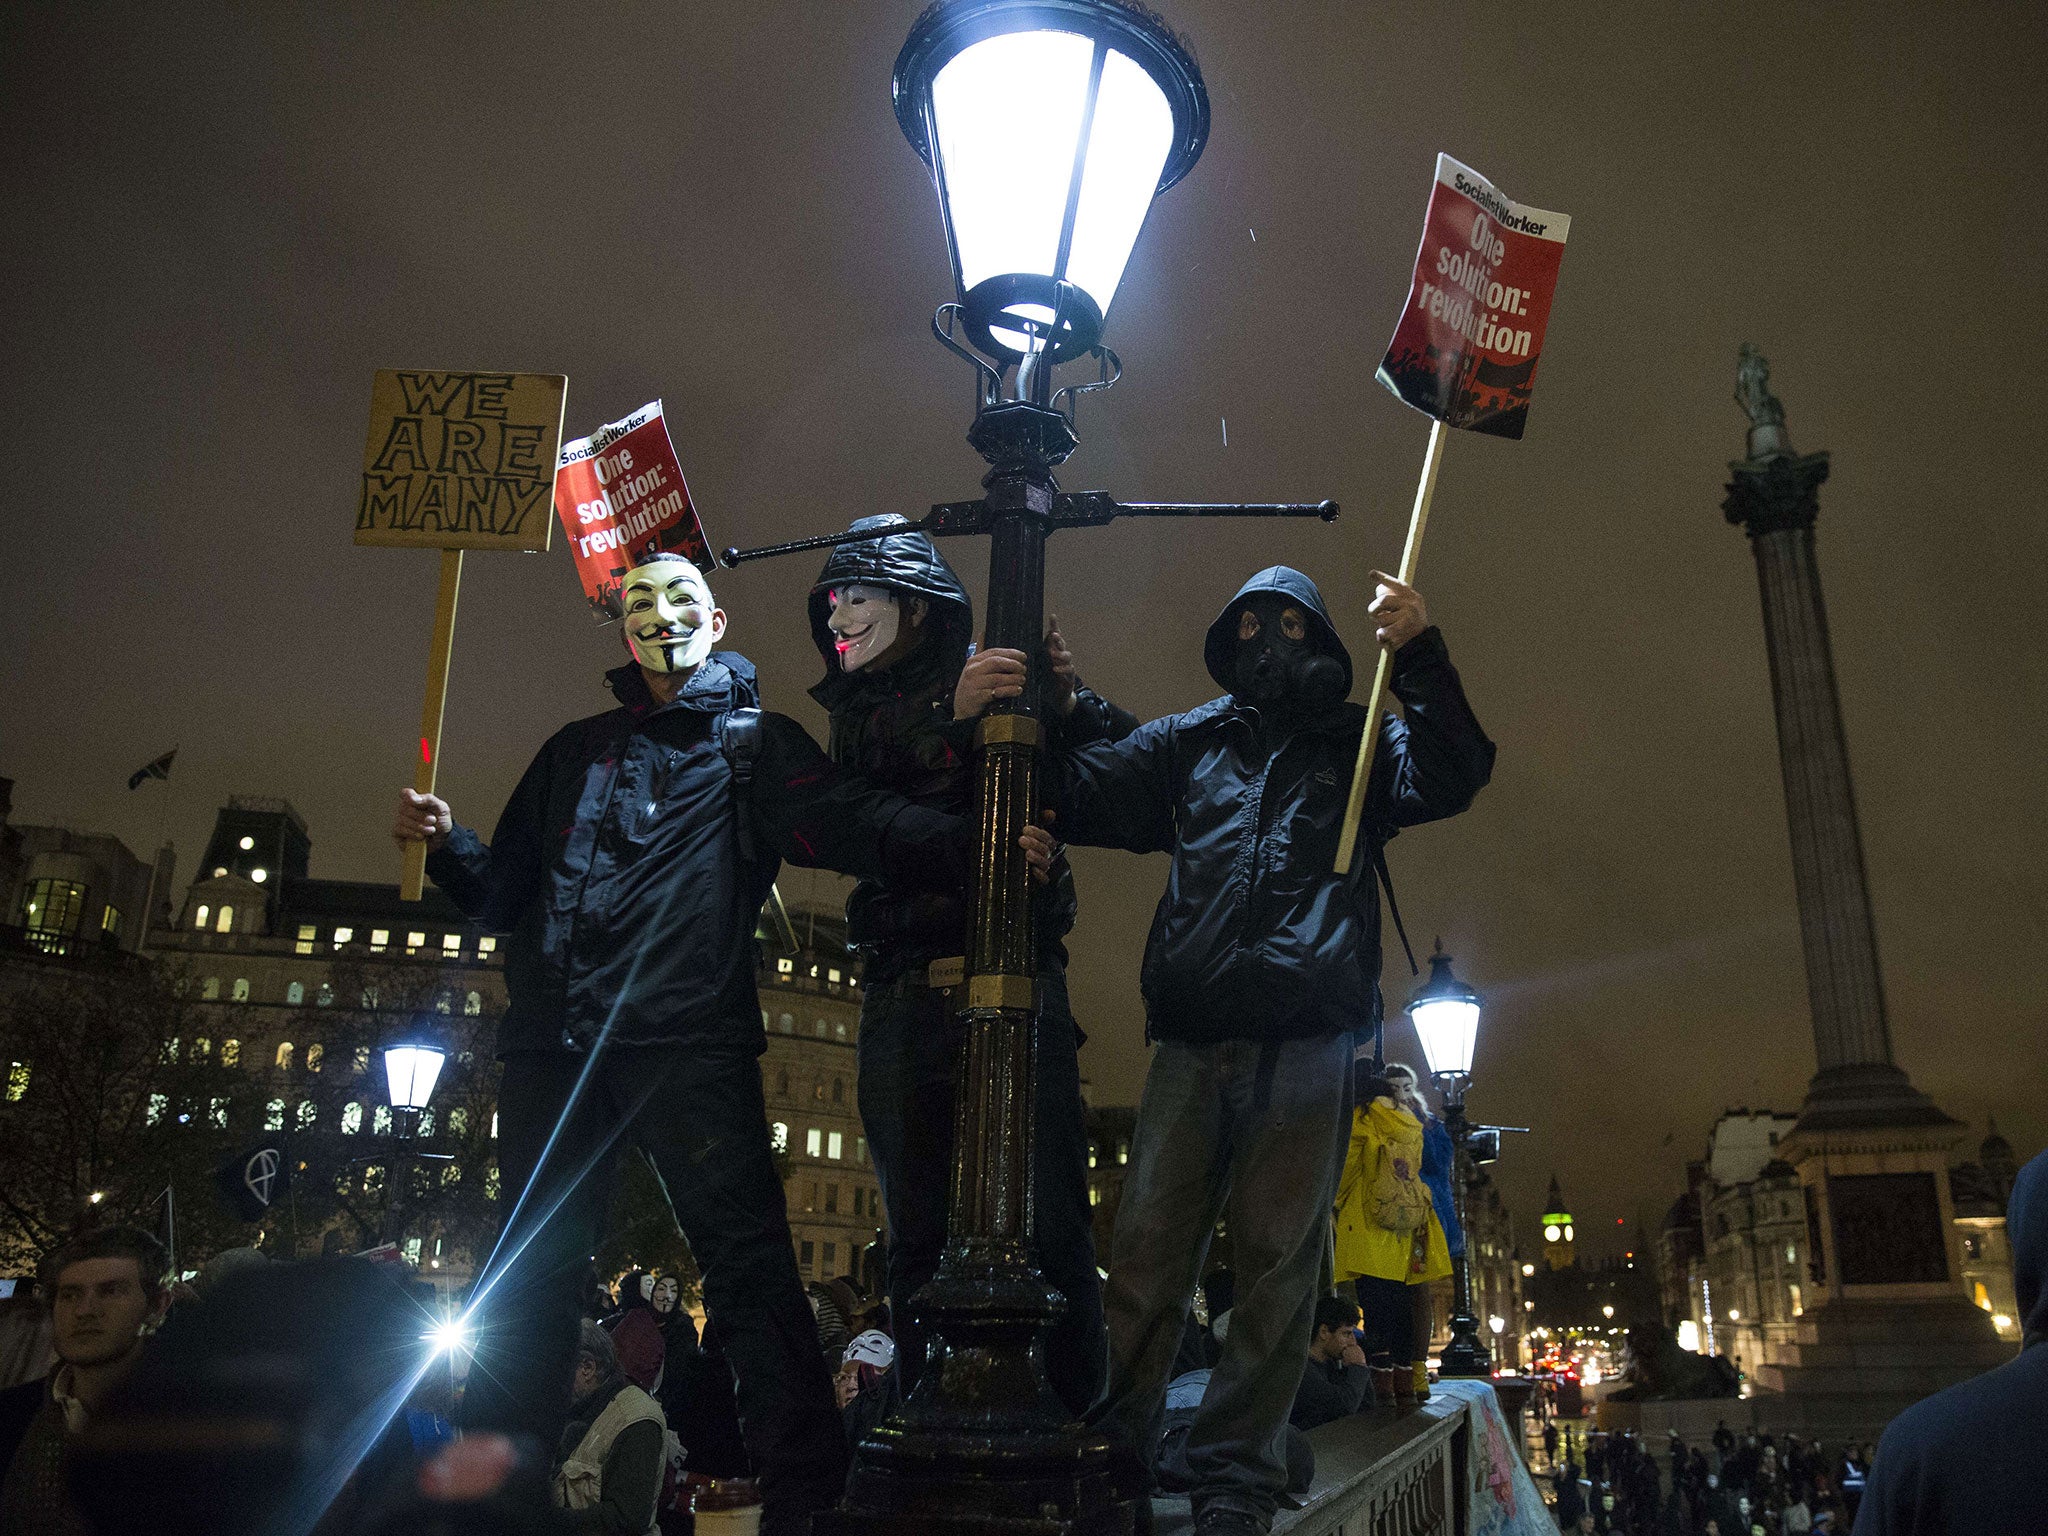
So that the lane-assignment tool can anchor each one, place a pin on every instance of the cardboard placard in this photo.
(1471, 333)
(621, 496)
(460, 460)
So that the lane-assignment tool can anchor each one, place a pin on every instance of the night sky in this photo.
(217, 224)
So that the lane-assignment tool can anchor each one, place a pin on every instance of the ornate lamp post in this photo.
(411, 1070)
(1049, 127)
(1446, 1015)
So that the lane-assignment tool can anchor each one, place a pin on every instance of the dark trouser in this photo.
(1251, 1132)
(1389, 1319)
(910, 1043)
(697, 1114)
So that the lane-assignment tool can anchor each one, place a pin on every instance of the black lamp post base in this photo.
(1465, 1355)
(983, 1445)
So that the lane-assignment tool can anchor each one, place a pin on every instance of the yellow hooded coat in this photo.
(1386, 1143)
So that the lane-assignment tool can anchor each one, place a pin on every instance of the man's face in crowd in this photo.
(1328, 1343)
(868, 625)
(671, 622)
(100, 1307)
(586, 1378)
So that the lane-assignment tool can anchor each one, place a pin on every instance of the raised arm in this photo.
(1435, 757)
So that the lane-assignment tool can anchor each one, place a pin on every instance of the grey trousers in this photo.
(1252, 1133)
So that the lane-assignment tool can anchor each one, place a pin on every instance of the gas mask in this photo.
(671, 623)
(1279, 666)
(866, 623)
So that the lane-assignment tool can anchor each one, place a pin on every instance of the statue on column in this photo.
(1767, 436)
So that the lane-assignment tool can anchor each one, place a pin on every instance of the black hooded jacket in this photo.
(1256, 937)
(895, 728)
(617, 866)
(1970, 1460)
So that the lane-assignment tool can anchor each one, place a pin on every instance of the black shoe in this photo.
(1229, 1522)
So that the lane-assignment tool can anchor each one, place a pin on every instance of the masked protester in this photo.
(894, 627)
(629, 868)
(1261, 967)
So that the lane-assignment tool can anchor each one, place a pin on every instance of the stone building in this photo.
(61, 890)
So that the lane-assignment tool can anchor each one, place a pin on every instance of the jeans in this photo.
(697, 1114)
(910, 1043)
(1389, 1310)
(1250, 1131)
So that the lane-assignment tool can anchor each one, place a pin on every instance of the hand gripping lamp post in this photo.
(1049, 127)
(1446, 1015)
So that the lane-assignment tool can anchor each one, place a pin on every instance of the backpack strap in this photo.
(739, 738)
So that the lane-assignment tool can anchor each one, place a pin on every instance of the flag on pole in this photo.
(159, 769)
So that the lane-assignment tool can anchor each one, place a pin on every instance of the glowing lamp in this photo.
(410, 1072)
(1446, 1015)
(1049, 127)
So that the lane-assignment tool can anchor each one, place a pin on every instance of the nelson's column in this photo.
(1887, 1322)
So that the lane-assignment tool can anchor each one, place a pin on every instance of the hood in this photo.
(2026, 1228)
(1220, 645)
(903, 562)
(725, 681)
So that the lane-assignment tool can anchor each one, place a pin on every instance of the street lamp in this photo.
(1446, 1016)
(410, 1072)
(1049, 126)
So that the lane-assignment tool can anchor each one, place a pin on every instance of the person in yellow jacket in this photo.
(1387, 1233)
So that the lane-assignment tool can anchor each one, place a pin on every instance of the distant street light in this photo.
(410, 1072)
(1608, 1310)
(1446, 1016)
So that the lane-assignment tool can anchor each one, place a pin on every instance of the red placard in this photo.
(621, 496)
(1470, 336)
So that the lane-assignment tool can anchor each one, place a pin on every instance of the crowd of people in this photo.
(1754, 1484)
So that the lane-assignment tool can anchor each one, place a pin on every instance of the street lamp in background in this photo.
(1446, 1016)
(411, 1069)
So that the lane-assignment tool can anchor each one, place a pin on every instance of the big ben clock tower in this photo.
(1557, 1230)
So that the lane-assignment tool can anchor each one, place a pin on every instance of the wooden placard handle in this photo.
(1411, 554)
(414, 877)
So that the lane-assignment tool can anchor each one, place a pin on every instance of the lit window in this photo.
(217, 1113)
(413, 941)
(778, 1134)
(814, 1142)
(308, 932)
(1091, 1154)
(786, 1024)
(202, 1048)
(835, 1146)
(158, 1103)
(351, 1118)
(315, 1053)
(170, 1050)
(373, 1179)
(426, 1122)
(785, 967)
(219, 870)
(273, 1115)
(473, 1004)
(259, 875)
(380, 940)
(832, 976)
(17, 1081)
(1094, 1195)
(860, 1151)
(199, 918)
(494, 1125)
(380, 1120)
(822, 1028)
(451, 943)
(343, 936)
(839, 1029)
(210, 988)
(412, 1251)
(246, 844)
(295, 993)
(110, 921)
(487, 945)
(231, 1053)
(241, 989)
(284, 1056)
(225, 923)
(325, 996)
(362, 1058)
(491, 1182)
(1123, 1151)
(450, 1176)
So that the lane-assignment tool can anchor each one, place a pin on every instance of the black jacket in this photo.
(1256, 937)
(617, 868)
(1969, 1460)
(895, 728)
(1329, 1391)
